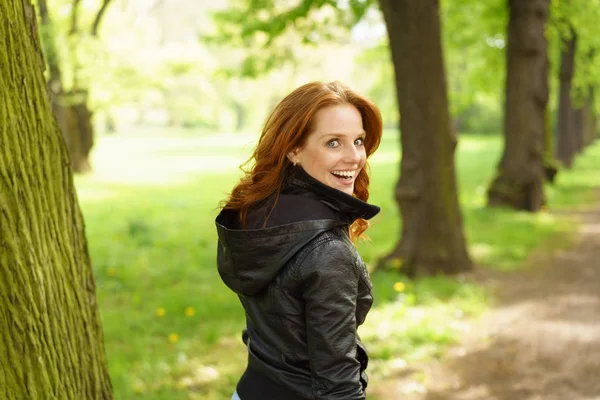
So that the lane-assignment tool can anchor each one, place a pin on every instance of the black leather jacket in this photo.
(305, 291)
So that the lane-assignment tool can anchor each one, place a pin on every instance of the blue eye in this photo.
(333, 143)
(359, 141)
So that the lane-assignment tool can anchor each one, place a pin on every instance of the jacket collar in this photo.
(349, 208)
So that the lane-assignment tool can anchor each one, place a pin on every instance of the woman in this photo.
(285, 247)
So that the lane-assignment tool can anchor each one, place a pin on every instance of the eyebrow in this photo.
(363, 133)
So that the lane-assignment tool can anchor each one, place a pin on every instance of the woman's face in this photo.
(334, 152)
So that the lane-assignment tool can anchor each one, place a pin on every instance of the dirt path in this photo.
(541, 341)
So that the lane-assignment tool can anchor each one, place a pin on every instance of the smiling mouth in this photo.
(345, 177)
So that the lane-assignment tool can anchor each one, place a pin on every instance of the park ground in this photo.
(172, 329)
(540, 340)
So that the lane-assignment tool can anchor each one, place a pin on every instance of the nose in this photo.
(353, 154)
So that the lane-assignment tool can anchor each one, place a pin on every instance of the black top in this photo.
(304, 288)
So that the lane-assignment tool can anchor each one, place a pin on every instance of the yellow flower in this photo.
(160, 312)
(139, 386)
(110, 272)
(397, 263)
(399, 286)
(173, 338)
(189, 311)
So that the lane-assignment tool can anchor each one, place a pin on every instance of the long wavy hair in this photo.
(286, 129)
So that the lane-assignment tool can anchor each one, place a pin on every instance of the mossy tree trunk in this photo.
(432, 238)
(520, 176)
(51, 341)
(567, 142)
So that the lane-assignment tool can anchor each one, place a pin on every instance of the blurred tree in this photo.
(432, 239)
(520, 175)
(69, 106)
(475, 40)
(590, 124)
(51, 340)
(566, 145)
(574, 28)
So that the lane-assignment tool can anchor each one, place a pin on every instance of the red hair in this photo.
(286, 129)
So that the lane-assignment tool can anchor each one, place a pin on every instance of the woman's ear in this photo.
(293, 156)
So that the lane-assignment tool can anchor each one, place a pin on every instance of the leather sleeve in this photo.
(330, 283)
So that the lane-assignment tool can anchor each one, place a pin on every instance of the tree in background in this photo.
(51, 340)
(574, 31)
(70, 106)
(520, 175)
(432, 239)
(566, 113)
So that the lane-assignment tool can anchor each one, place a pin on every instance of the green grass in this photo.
(172, 328)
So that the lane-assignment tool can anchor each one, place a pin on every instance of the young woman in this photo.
(285, 247)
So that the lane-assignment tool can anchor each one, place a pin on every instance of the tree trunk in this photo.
(520, 176)
(240, 115)
(70, 108)
(578, 121)
(589, 123)
(432, 238)
(51, 341)
(550, 163)
(566, 115)
(75, 121)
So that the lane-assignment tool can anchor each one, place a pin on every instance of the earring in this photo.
(295, 163)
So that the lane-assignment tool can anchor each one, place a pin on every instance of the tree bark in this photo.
(566, 115)
(432, 238)
(550, 163)
(75, 121)
(578, 121)
(520, 176)
(589, 122)
(51, 341)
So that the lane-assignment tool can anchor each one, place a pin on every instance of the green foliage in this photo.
(270, 30)
(47, 37)
(474, 39)
(579, 17)
(172, 328)
(376, 62)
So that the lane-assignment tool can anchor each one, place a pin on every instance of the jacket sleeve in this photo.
(330, 284)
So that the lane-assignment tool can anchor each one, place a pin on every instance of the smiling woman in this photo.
(285, 247)
(334, 153)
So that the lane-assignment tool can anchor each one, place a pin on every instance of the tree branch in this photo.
(74, 17)
(98, 18)
(43, 11)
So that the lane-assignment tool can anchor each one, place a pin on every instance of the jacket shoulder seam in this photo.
(327, 237)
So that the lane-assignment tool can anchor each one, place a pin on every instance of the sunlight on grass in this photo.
(165, 160)
(172, 328)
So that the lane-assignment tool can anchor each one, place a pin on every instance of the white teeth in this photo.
(347, 174)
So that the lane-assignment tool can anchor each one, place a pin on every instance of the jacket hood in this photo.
(249, 259)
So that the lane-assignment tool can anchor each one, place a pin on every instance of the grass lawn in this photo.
(172, 328)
